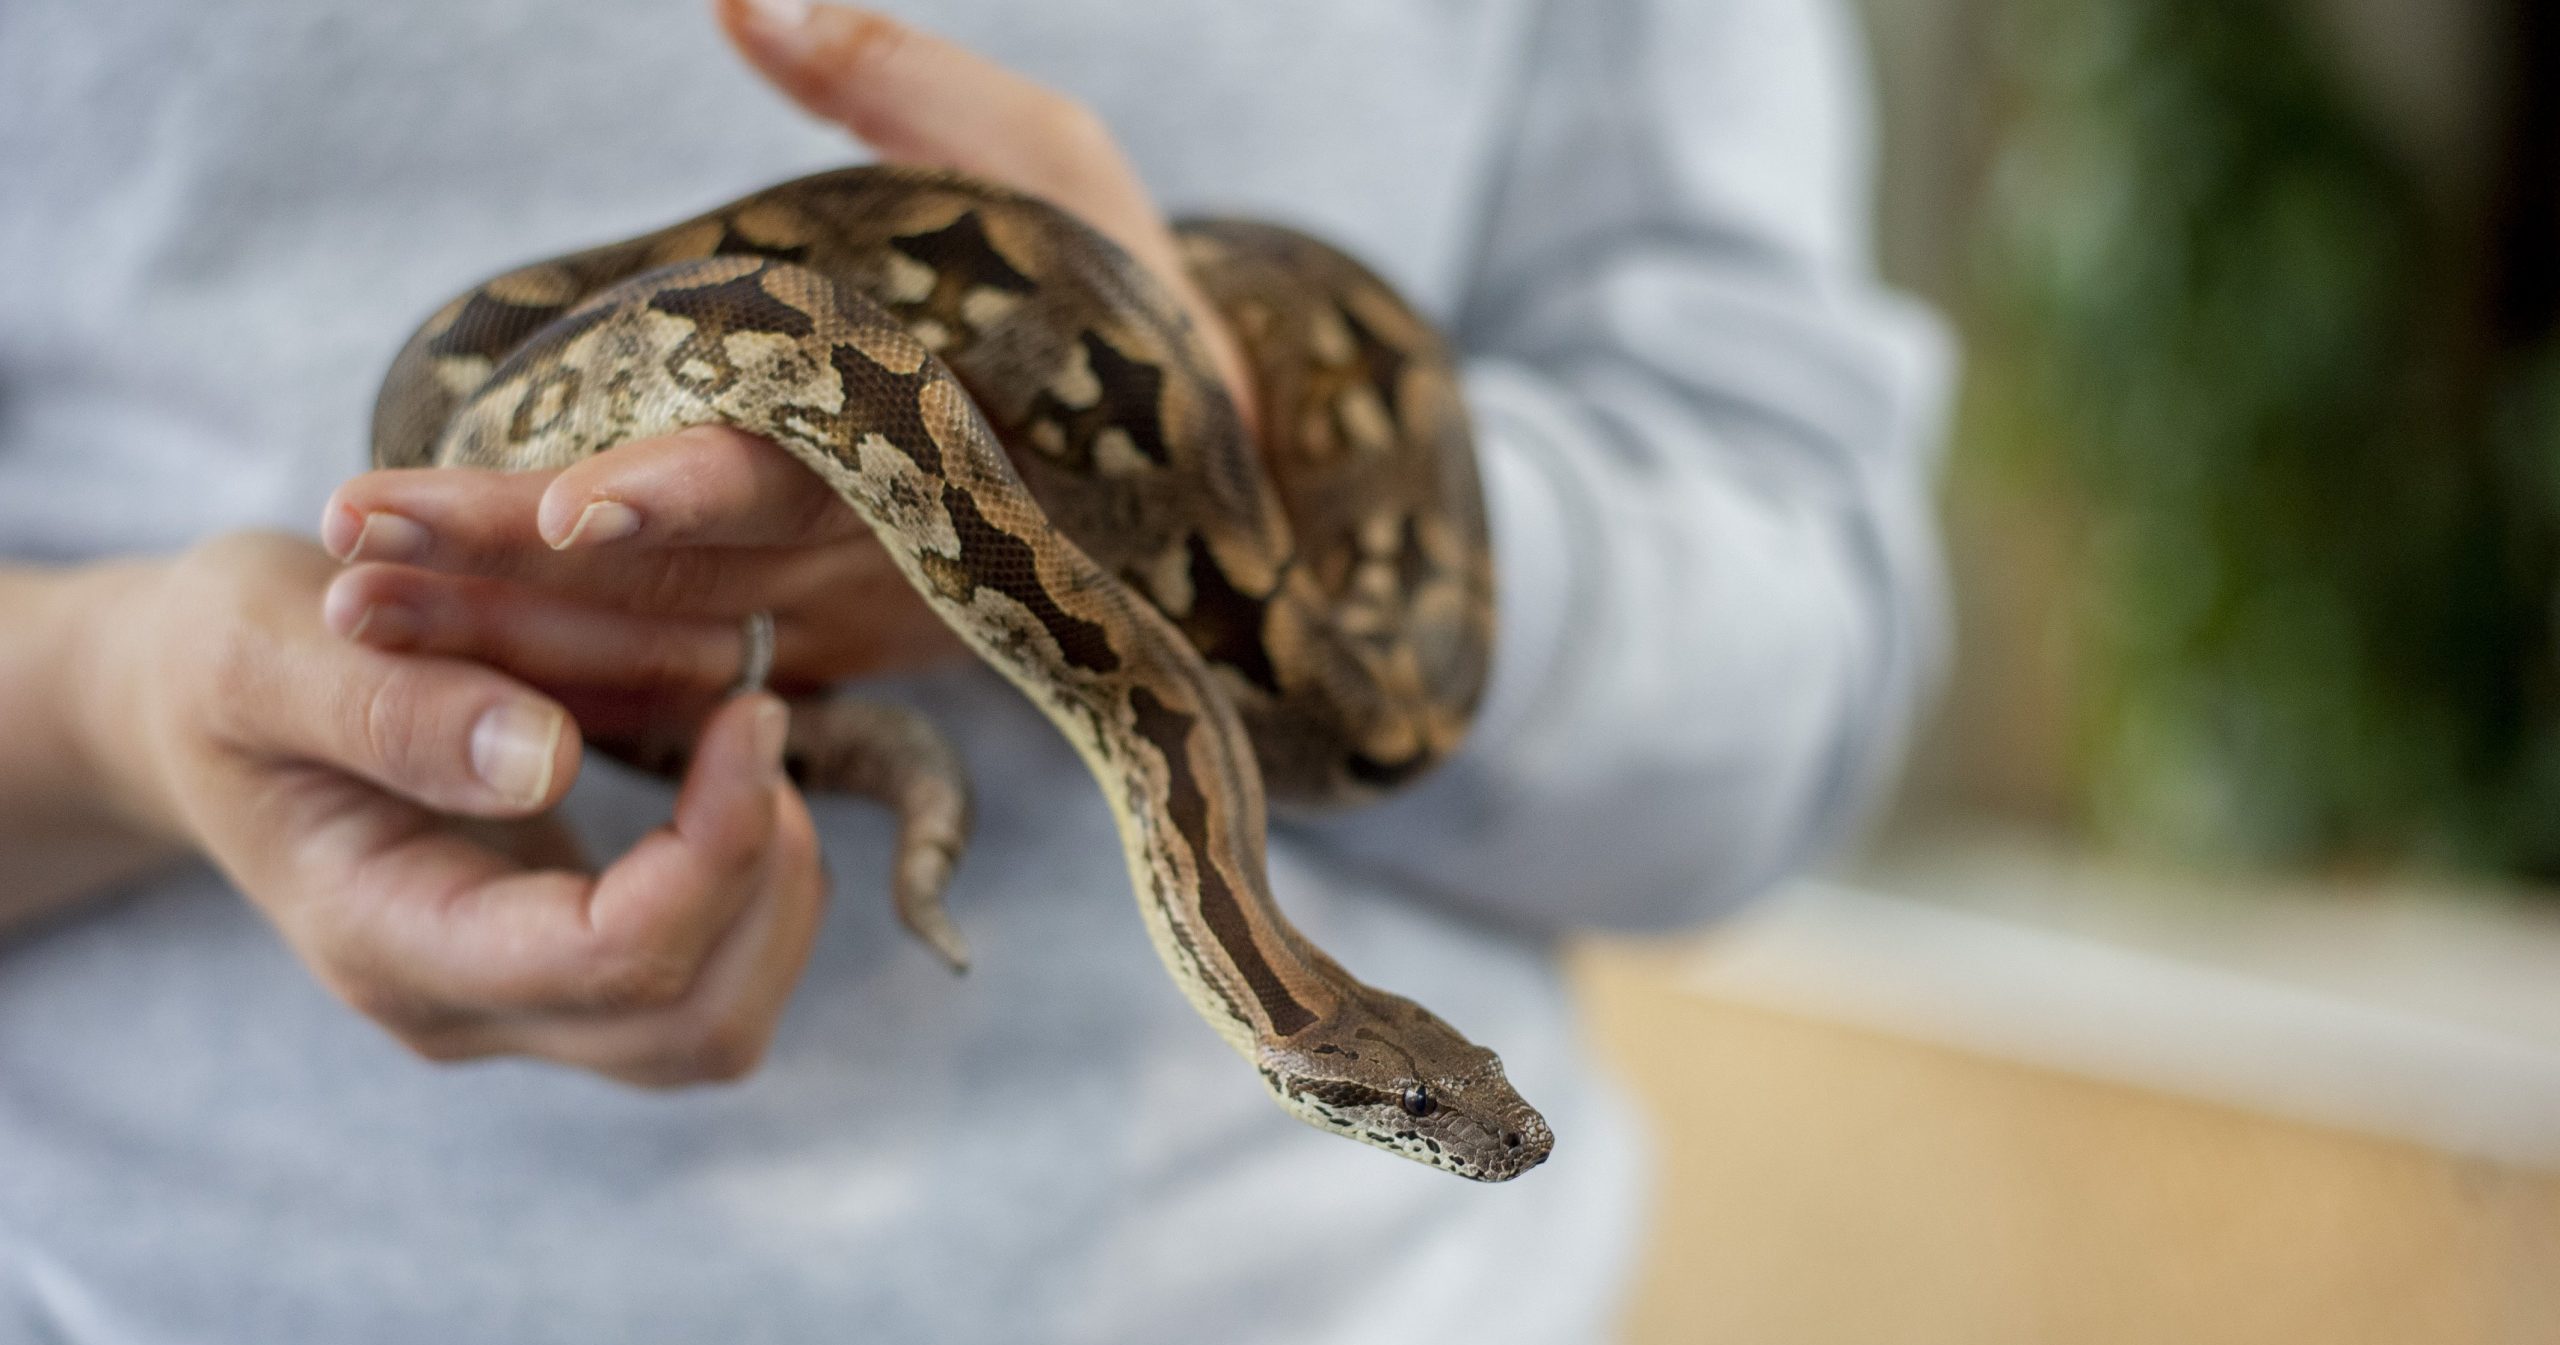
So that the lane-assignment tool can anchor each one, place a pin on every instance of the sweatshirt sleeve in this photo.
(1707, 441)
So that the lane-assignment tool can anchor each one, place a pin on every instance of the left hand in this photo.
(618, 584)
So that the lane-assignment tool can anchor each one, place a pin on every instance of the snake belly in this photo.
(1030, 425)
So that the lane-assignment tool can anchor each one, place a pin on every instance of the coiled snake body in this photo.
(1029, 424)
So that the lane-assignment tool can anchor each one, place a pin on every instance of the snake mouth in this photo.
(1527, 1156)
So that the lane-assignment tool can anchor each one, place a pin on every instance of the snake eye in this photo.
(1417, 1101)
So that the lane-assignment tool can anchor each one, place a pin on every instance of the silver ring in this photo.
(757, 633)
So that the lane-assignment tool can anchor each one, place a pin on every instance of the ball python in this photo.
(1213, 616)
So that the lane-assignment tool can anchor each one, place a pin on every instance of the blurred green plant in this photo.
(2322, 545)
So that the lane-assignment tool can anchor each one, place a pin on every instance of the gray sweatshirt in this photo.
(1707, 440)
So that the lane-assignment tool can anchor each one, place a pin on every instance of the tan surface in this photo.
(1823, 1184)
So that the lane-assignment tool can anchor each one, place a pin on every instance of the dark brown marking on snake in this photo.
(1381, 361)
(1190, 949)
(1343, 1093)
(1368, 770)
(1006, 564)
(1132, 397)
(1170, 731)
(1224, 623)
(490, 328)
(558, 385)
(1413, 560)
(961, 259)
(1131, 402)
(896, 415)
(736, 305)
(703, 348)
(735, 244)
(960, 252)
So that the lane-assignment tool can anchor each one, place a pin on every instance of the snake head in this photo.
(1387, 1072)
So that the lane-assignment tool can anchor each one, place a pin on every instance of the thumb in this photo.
(910, 94)
(919, 99)
(452, 735)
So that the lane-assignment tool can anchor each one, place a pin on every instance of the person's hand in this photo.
(321, 773)
(619, 583)
(918, 99)
(386, 812)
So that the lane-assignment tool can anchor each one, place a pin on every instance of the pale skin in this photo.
(367, 734)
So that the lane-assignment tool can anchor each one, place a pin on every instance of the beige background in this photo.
(1825, 1184)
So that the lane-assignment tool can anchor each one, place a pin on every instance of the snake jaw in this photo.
(1429, 1095)
(1494, 1144)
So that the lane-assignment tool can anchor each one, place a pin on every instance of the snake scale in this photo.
(1029, 424)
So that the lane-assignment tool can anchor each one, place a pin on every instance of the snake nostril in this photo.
(1511, 1139)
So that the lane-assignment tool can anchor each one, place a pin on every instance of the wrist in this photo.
(106, 754)
(68, 828)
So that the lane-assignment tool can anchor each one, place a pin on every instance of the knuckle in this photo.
(236, 659)
(394, 1008)
(647, 1075)
(724, 1050)
(379, 1002)
(386, 723)
(222, 610)
(682, 581)
(690, 1051)
(441, 1046)
(237, 668)
(686, 663)
(633, 980)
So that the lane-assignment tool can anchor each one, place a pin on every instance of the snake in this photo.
(1221, 618)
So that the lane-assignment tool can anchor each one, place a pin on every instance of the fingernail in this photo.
(387, 536)
(512, 748)
(780, 13)
(773, 727)
(601, 522)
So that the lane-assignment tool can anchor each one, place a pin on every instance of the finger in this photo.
(719, 1031)
(707, 486)
(871, 621)
(533, 633)
(919, 99)
(468, 521)
(418, 924)
(410, 515)
(452, 735)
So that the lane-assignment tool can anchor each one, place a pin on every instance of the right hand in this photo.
(388, 813)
